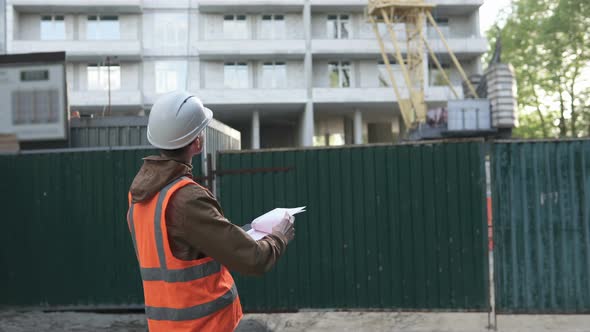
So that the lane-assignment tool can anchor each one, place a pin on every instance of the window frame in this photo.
(166, 67)
(53, 18)
(102, 77)
(435, 77)
(276, 81)
(98, 19)
(236, 71)
(382, 69)
(336, 32)
(274, 33)
(171, 30)
(233, 31)
(340, 65)
(443, 24)
(24, 75)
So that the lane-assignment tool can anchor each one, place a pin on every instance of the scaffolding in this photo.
(413, 14)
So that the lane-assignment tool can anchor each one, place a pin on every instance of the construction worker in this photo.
(184, 244)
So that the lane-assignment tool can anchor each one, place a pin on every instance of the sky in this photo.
(489, 11)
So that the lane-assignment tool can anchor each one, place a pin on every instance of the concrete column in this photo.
(9, 24)
(358, 127)
(307, 120)
(475, 26)
(255, 130)
(307, 125)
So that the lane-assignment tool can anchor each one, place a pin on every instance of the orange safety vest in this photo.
(198, 295)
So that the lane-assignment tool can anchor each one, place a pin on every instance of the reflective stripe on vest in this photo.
(162, 273)
(198, 311)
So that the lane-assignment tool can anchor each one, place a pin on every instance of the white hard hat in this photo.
(176, 119)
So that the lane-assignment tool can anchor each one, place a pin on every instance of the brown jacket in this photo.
(196, 225)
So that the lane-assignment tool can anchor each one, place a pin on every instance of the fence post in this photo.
(492, 325)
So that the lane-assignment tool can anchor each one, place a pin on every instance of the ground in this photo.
(309, 321)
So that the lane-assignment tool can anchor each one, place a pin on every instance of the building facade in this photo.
(282, 72)
(2, 26)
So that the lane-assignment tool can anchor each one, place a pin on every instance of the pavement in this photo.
(308, 321)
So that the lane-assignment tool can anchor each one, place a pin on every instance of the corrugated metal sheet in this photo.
(108, 132)
(64, 238)
(132, 131)
(386, 227)
(541, 196)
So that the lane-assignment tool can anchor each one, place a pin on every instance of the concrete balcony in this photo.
(340, 5)
(461, 46)
(236, 49)
(120, 99)
(82, 50)
(376, 95)
(359, 5)
(455, 7)
(456, 2)
(222, 6)
(252, 96)
(345, 47)
(69, 6)
(362, 47)
(353, 95)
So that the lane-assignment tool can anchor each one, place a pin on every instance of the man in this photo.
(183, 243)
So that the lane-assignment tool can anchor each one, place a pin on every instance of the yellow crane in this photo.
(413, 14)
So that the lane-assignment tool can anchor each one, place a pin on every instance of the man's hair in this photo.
(175, 154)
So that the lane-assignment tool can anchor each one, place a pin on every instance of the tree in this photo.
(547, 43)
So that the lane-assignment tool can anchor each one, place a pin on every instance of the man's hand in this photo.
(286, 227)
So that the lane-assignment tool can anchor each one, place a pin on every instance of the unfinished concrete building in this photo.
(283, 72)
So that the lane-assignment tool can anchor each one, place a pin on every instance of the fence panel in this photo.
(65, 240)
(132, 132)
(541, 196)
(386, 226)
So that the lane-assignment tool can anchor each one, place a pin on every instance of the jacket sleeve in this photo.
(208, 231)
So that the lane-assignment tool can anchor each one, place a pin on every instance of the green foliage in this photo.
(547, 42)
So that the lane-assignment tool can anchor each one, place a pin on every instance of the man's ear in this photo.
(198, 144)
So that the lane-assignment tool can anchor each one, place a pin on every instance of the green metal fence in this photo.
(542, 226)
(386, 227)
(64, 238)
(399, 227)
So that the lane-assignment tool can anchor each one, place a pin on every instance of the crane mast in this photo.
(413, 15)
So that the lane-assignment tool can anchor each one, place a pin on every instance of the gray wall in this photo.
(29, 26)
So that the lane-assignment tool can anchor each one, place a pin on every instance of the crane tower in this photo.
(413, 14)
